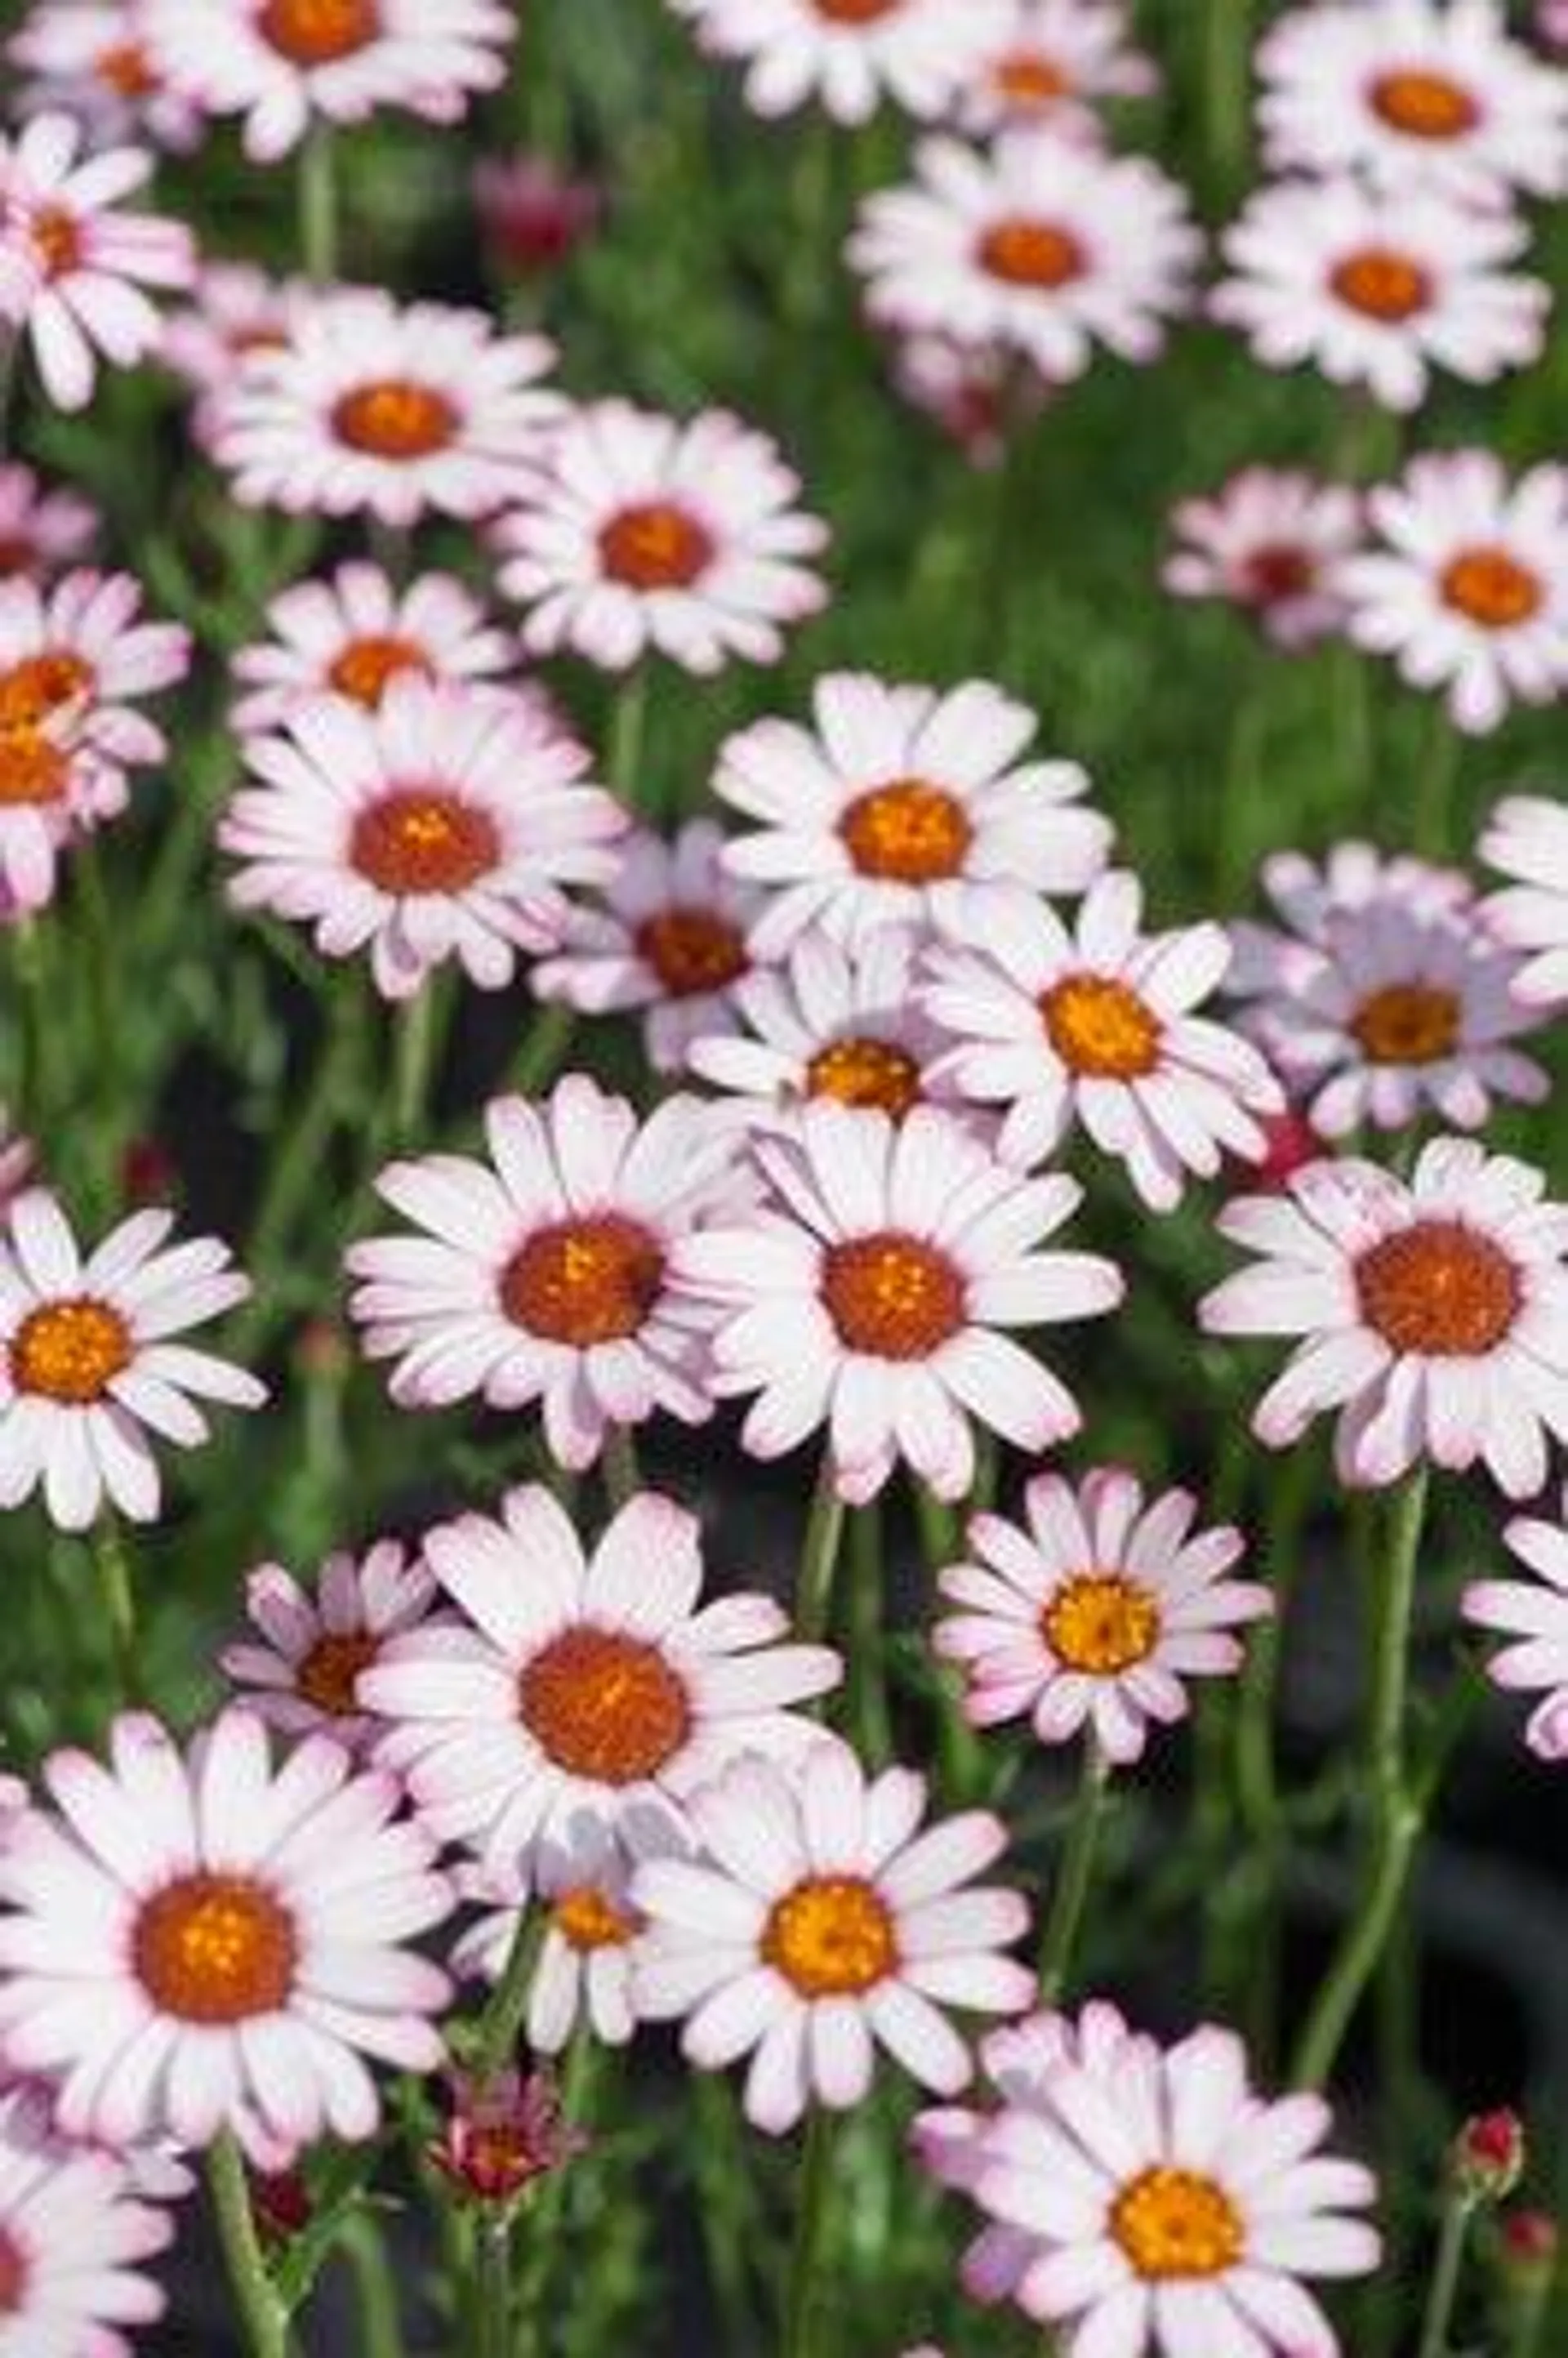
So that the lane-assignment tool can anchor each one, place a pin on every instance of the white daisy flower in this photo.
(1526, 839)
(73, 2236)
(93, 62)
(304, 1675)
(1270, 540)
(1056, 61)
(1533, 1614)
(354, 632)
(848, 54)
(42, 531)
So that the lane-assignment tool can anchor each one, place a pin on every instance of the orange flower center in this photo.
(893, 1296)
(326, 1675)
(1277, 570)
(1175, 2222)
(856, 12)
(34, 690)
(318, 32)
(655, 545)
(1440, 1289)
(71, 1351)
(1382, 282)
(1032, 253)
(13, 2275)
(1424, 105)
(32, 768)
(1101, 1622)
(1407, 1023)
(413, 842)
(57, 241)
(584, 1282)
(603, 1706)
(1490, 587)
(1028, 77)
(1100, 1028)
(365, 665)
(868, 1073)
(215, 1948)
(907, 831)
(394, 418)
(691, 951)
(125, 70)
(589, 1920)
(831, 1936)
(17, 553)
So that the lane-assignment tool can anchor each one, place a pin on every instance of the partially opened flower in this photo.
(74, 2240)
(822, 1923)
(1533, 1615)
(1526, 839)
(644, 533)
(1095, 1613)
(849, 55)
(531, 215)
(1433, 1314)
(973, 391)
(200, 1941)
(1272, 541)
(91, 1363)
(504, 2132)
(355, 632)
(304, 1674)
(93, 62)
(1055, 62)
(42, 531)
(581, 1685)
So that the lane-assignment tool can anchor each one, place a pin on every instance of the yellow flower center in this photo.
(413, 840)
(691, 951)
(831, 1936)
(365, 666)
(1407, 1023)
(1101, 1622)
(33, 770)
(396, 418)
(1175, 2222)
(1024, 253)
(1100, 1028)
(1438, 1289)
(1382, 282)
(588, 1919)
(584, 1282)
(653, 545)
(1424, 105)
(214, 1948)
(318, 32)
(866, 1073)
(909, 832)
(603, 1706)
(1490, 587)
(71, 1351)
(892, 1296)
(327, 1675)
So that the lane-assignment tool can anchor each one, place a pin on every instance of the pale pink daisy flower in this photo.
(822, 1923)
(1468, 589)
(93, 62)
(1415, 94)
(1039, 246)
(642, 532)
(543, 1273)
(42, 531)
(1272, 541)
(400, 410)
(1433, 1313)
(72, 267)
(1056, 61)
(972, 392)
(1354, 880)
(198, 1942)
(849, 55)
(234, 310)
(1381, 291)
(355, 632)
(73, 2236)
(284, 65)
(1096, 1613)
(893, 801)
(443, 825)
(581, 1685)
(1526, 839)
(874, 1299)
(304, 1674)
(1178, 2209)
(1534, 1615)
(1096, 1024)
(669, 937)
(90, 1363)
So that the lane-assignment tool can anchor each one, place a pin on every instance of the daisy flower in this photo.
(235, 310)
(543, 1273)
(849, 55)
(870, 1297)
(286, 64)
(822, 1923)
(1354, 880)
(1534, 1615)
(89, 1362)
(198, 1942)
(403, 411)
(73, 2236)
(94, 62)
(1096, 1613)
(72, 267)
(42, 532)
(1381, 291)
(1038, 246)
(1415, 94)
(1469, 587)
(896, 797)
(642, 532)
(303, 1675)
(442, 825)
(1526, 839)
(580, 1686)
(1433, 1314)
(1055, 62)
(1272, 541)
(1178, 2209)
(356, 631)
(1096, 1025)
(670, 939)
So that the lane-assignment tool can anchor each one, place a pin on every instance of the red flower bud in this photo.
(533, 217)
(1526, 2249)
(1487, 2156)
(281, 2201)
(504, 2133)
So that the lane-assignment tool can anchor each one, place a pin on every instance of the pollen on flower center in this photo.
(326, 1675)
(603, 1706)
(1101, 1622)
(587, 1919)
(1489, 586)
(363, 668)
(318, 32)
(1100, 1028)
(1424, 105)
(1032, 252)
(1382, 282)
(32, 768)
(866, 1073)
(1175, 2222)
(1276, 570)
(831, 1936)
(71, 1351)
(34, 690)
(57, 241)
(655, 545)
(419, 840)
(691, 951)
(394, 418)
(13, 2275)
(584, 1282)
(215, 1948)
(907, 832)
(1438, 1288)
(1029, 78)
(123, 68)
(893, 1296)
(1407, 1023)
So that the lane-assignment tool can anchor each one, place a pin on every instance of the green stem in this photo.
(820, 1556)
(1433, 831)
(544, 1044)
(1456, 2213)
(542, 2212)
(381, 2324)
(34, 1077)
(1077, 1874)
(493, 2285)
(297, 1165)
(502, 2022)
(319, 205)
(725, 2204)
(1528, 2321)
(622, 1474)
(120, 1603)
(867, 1649)
(414, 1059)
(628, 726)
(101, 943)
(261, 2313)
(1228, 49)
(806, 2291)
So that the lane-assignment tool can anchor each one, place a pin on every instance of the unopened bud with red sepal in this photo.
(504, 2133)
(1528, 2242)
(1290, 1143)
(281, 2201)
(1487, 2159)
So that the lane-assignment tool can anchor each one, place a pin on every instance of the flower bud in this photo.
(1487, 2156)
(504, 2133)
(1526, 2250)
